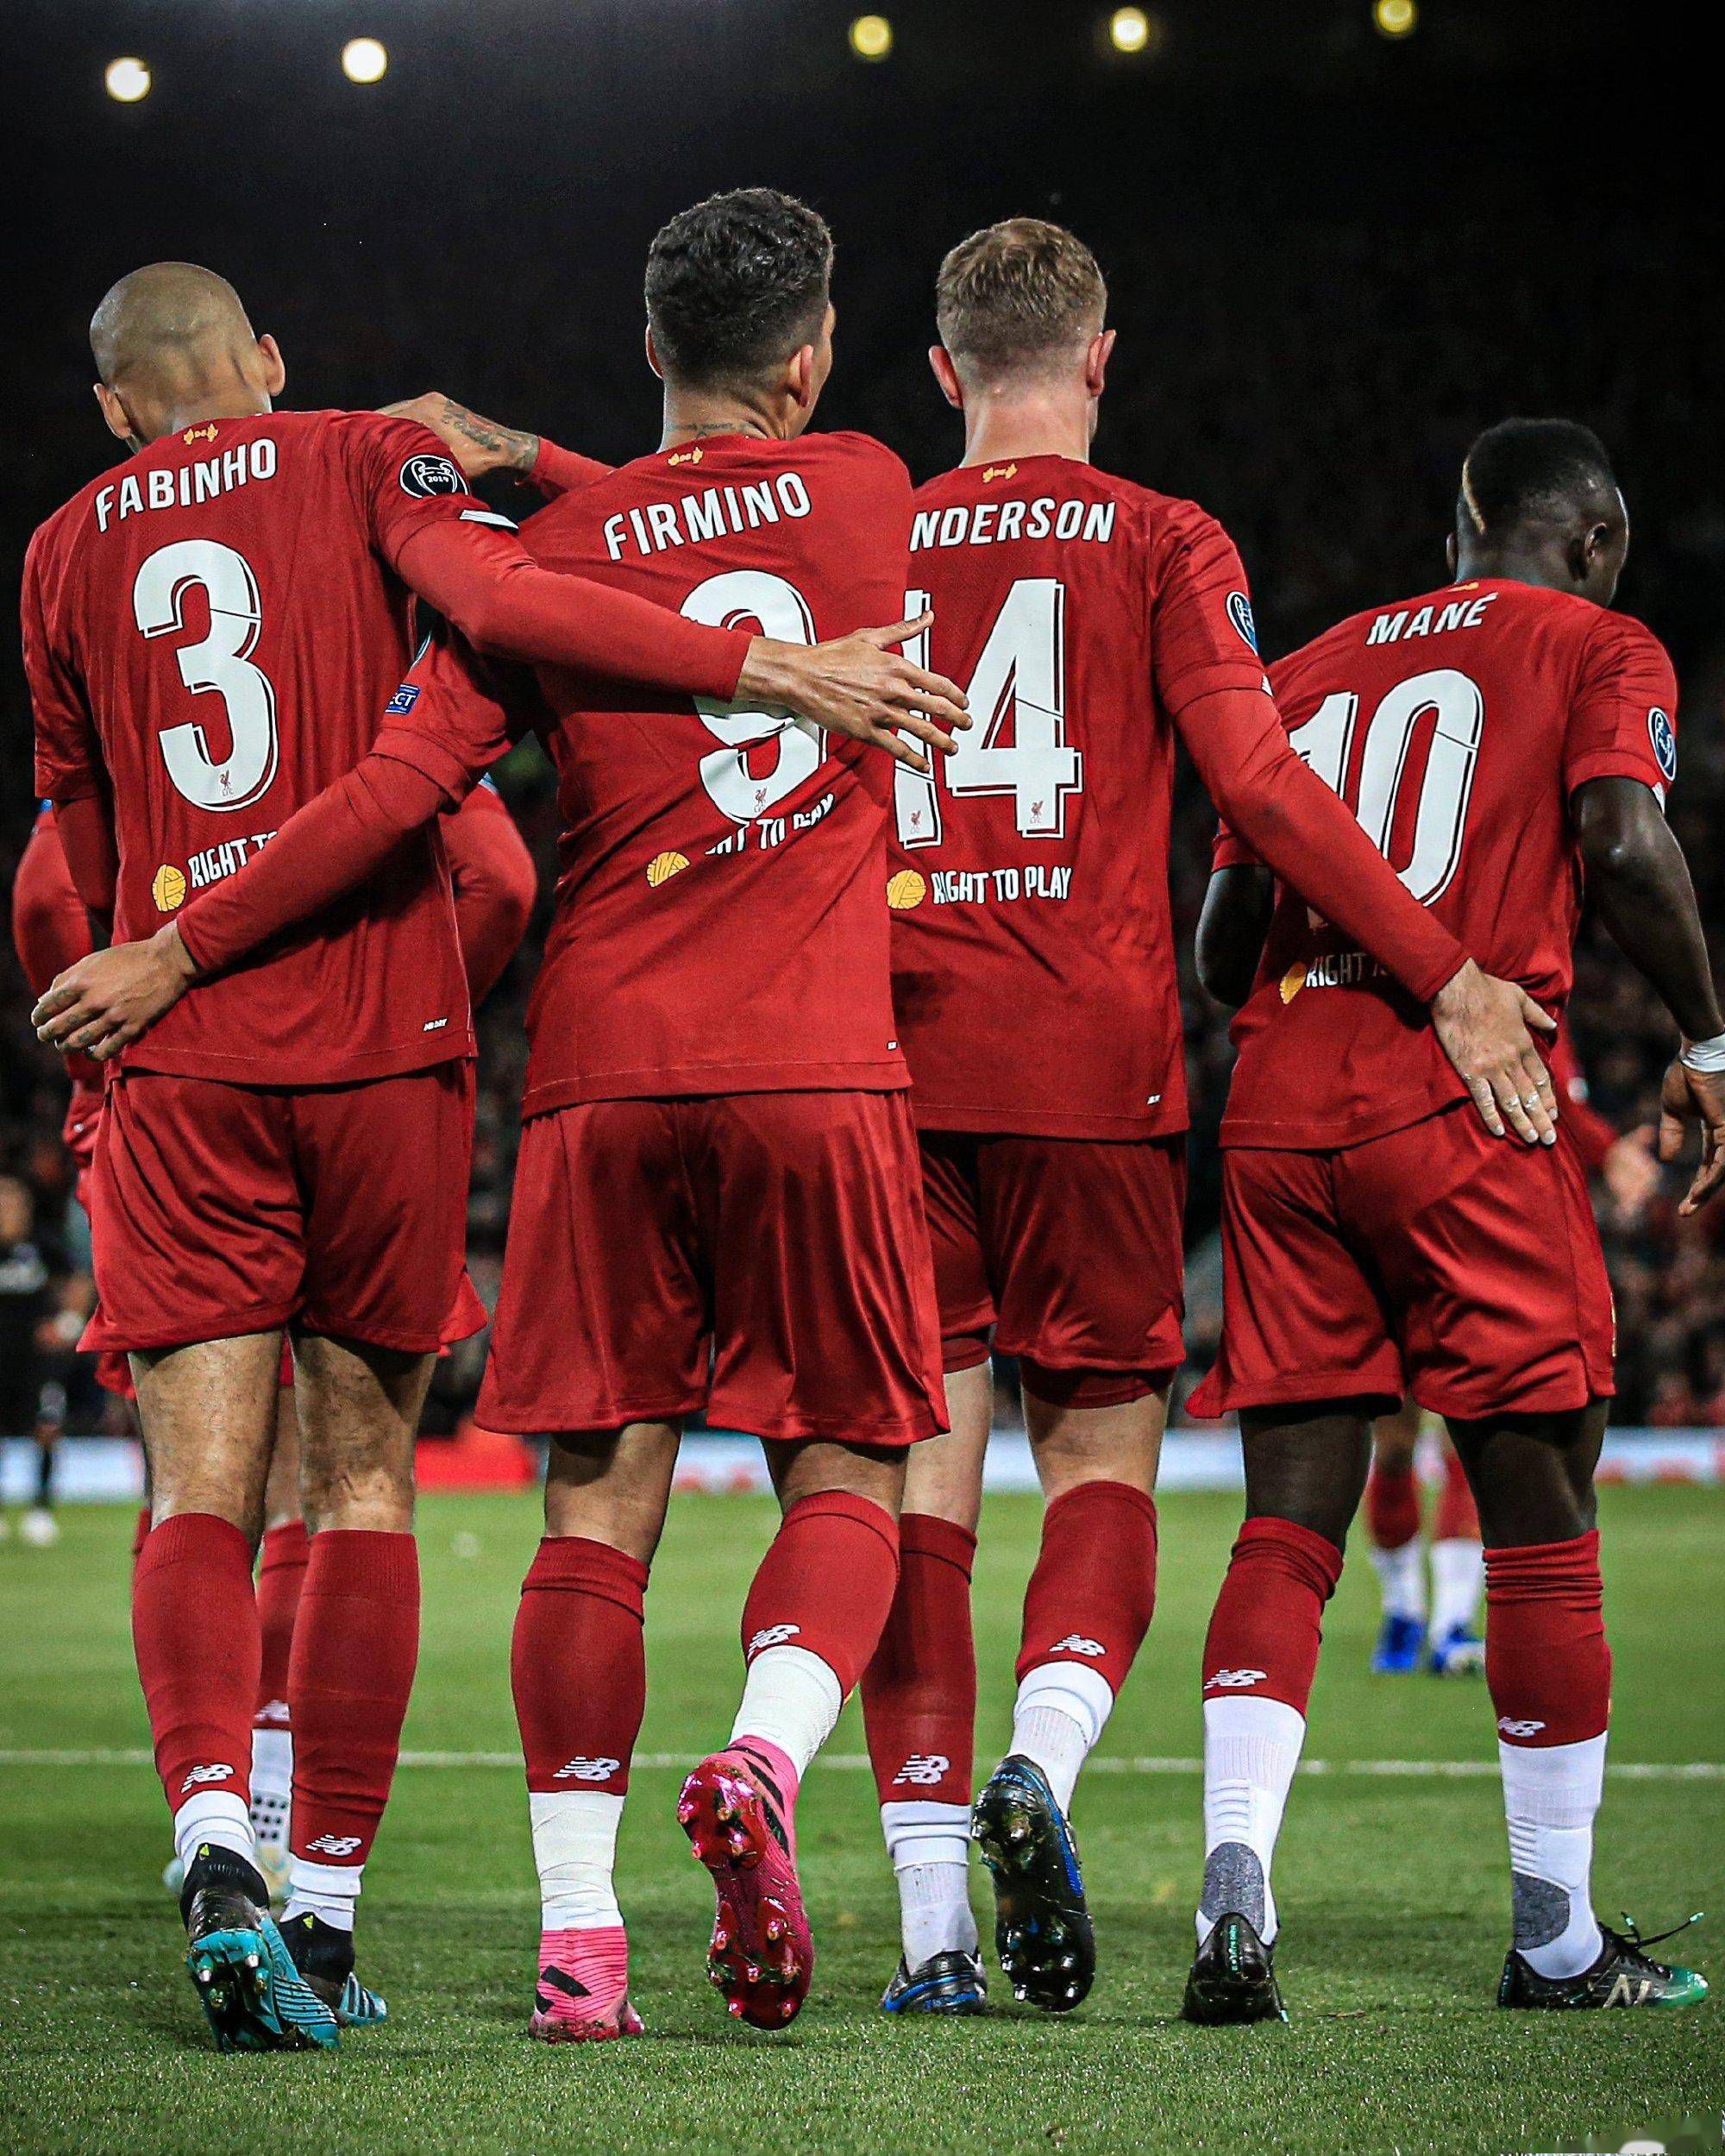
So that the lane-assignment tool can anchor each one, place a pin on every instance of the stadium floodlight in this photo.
(1395, 18)
(871, 37)
(1129, 29)
(364, 59)
(126, 80)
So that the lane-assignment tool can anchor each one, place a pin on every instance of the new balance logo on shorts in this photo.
(924, 1769)
(588, 1770)
(1076, 1643)
(1235, 1679)
(336, 1845)
(770, 1636)
(200, 1775)
(1508, 1727)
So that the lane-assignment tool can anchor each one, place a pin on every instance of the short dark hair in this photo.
(1018, 295)
(737, 283)
(1525, 472)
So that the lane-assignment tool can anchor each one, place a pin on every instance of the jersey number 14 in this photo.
(1018, 689)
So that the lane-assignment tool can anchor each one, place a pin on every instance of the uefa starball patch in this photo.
(1660, 733)
(1239, 612)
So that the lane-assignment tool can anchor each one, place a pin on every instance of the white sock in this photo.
(1251, 1748)
(1402, 1575)
(1551, 1796)
(791, 1697)
(1457, 1582)
(930, 1846)
(575, 1846)
(1061, 1708)
(330, 1891)
(272, 1784)
(218, 1816)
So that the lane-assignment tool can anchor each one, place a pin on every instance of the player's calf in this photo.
(579, 1675)
(919, 1710)
(812, 1622)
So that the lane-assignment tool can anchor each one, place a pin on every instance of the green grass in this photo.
(1393, 1896)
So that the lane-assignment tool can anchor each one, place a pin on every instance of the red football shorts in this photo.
(1069, 1249)
(1439, 1260)
(762, 1256)
(217, 1210)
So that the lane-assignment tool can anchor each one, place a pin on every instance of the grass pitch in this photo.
(1393, 1888)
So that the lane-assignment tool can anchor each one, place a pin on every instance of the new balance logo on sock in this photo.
(1508, 1727)
(200, 1775)
(336, 1845)
(1235, 1679)
(588, 1770)
(770, 1636)
(1076, 1643)
(924, 1769)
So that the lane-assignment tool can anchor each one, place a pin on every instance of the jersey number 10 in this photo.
(1325, 741)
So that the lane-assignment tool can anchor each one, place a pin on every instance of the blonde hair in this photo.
(1017, 297)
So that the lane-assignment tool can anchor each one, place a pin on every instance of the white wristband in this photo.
(1704, 1055)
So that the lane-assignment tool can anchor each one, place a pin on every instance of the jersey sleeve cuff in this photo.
(1614, 763)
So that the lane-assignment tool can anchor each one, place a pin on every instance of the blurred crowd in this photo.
(1327, 373)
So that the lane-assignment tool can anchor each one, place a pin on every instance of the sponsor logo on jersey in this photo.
(425, 477)
(1293, 980)
(584, 1770)
(198, 434)
(405, 698)
(924, 1769)
(770, 1636)
(1239, 612)
(336, 1845)
(199, 1775)
(992, 472)
(905, 890)
(167, 887)
(664, 866)
(1076, 1643)
(1665, 742)
(685, 456)
(1508, 1726)
(1234, 1679)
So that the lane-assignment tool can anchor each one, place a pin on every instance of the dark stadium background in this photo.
(1333, 258)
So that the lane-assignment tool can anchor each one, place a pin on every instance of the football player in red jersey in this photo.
(210, 632)
(1500, 739)
(1096, 623)
(716, 1202)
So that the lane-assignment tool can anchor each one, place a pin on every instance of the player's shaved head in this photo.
(1024, 297)
(1539, 500)
(172, 345)
(1528, 476)
(736, 284)
(167, 318)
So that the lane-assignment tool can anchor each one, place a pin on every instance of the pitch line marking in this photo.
(856, 1763)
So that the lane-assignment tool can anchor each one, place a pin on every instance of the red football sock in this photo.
(355, 1644)
(1457, 1516)
(1547, 1660)
(195, 1630)
(1264, 1633)
(919, 1691)
(1092, 1594)
(281, 1574)
(826, 1583)
(1392, 1507)
(578, 1666)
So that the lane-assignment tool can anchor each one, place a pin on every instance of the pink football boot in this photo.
(738, 1810)
(582, 1996)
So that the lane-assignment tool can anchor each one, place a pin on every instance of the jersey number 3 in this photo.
(217, 662)
(1458, 710)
